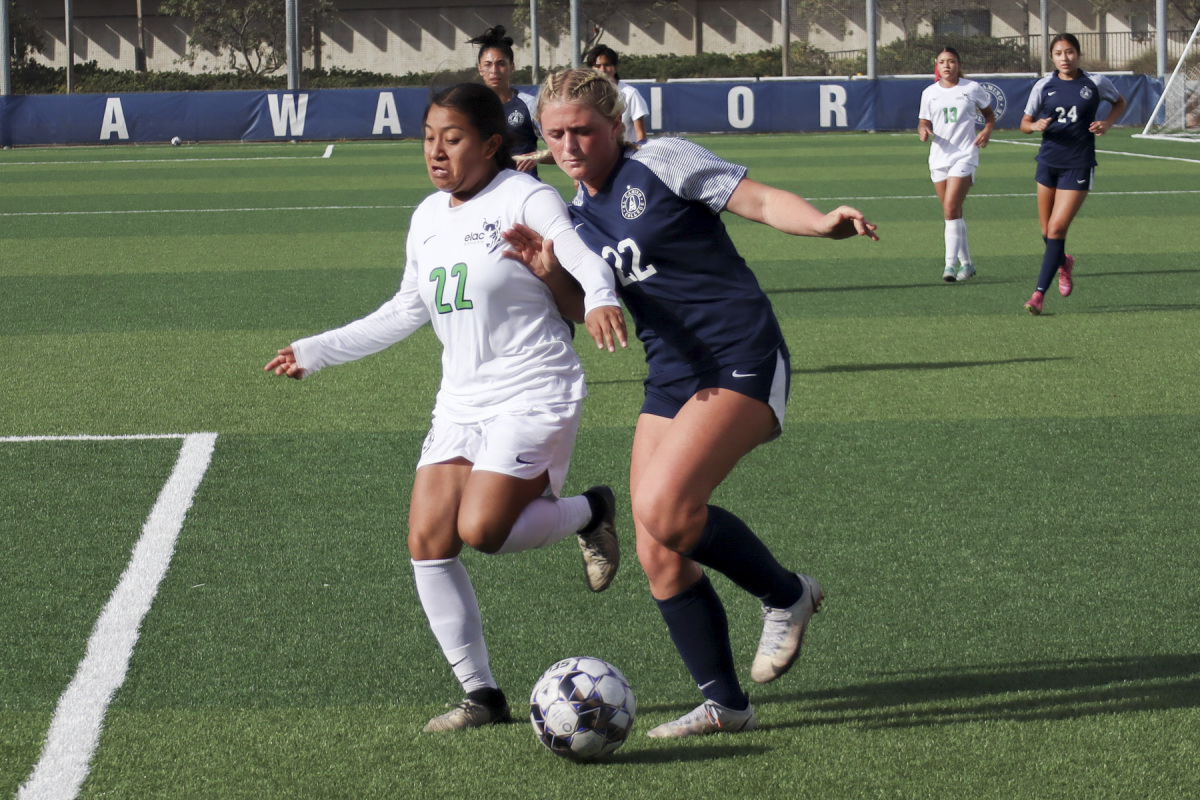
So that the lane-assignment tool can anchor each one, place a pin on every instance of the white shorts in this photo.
(959, 169)
(521, 444)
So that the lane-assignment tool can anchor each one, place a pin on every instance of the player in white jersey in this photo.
(603, 58)
(493, 464)
(947, 117)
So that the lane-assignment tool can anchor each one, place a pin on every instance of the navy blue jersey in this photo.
(1071, 107)
(656, 221)
(519, 111)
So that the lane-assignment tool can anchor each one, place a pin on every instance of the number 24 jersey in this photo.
(1071, 106)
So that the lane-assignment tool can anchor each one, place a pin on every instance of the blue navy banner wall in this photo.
(330, 114)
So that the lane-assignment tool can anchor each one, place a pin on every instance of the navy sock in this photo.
(1056, 255)
(700, 630)
(732, 549)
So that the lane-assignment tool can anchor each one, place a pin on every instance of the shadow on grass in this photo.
(671, 755)
(1137, 272)
(919, 366)
(1028, 691)
(932, 284)
(1128, 309)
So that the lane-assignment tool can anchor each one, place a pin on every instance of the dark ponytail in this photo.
(484, 113)
(606, 51)
(493, 39)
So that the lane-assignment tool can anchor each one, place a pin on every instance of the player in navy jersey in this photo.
(1063, 107)
(718, 372)
(496, 65)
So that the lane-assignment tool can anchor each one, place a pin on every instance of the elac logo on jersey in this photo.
(490, 235)
(515, 119)
(633, 203)
(999, 101)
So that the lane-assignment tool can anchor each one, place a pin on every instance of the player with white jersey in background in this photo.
(603, 58)
(718, 378)
(1063, 108)
(947, 117)
(507, 411)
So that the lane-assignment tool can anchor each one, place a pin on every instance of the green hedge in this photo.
(905, 56)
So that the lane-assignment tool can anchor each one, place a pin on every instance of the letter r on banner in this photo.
(385, 115)
(833, 106)
(114, 120)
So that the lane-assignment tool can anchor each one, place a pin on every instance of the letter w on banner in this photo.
(287, 113)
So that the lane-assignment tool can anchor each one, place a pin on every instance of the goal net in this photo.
(1177, 115)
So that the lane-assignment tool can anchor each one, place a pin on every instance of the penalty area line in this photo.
(1011, 194)
(193, 211)
(1109, 153)
(75, 729)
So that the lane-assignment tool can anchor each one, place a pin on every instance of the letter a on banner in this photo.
(114, 120)
(385, 115)
(287, 113)
(833, 106)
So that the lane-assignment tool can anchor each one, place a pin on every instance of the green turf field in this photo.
(1001, 508)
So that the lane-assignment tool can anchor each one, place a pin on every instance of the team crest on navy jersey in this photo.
(1085, 92)
(515, 119)
(633, 203)
(999, 101)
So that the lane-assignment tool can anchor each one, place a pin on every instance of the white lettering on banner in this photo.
(114, 120)
(288, 114)
(741, 115)
(833, 106)
(385, 115)
(656, 108)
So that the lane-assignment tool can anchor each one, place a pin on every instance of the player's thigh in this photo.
(1066, 206)
(698, 450)
(490, 505)
(957, 187)
(433, 512)
(1045, 198)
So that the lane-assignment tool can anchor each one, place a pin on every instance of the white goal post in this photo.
(1177, 115)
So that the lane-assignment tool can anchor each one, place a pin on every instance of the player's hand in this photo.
(923, 133)
(525, 164)
(606, 325)
(285, 364)
(982, 139)
(1100, 127)
(844, 222)
(1041, 124)
(531, 249)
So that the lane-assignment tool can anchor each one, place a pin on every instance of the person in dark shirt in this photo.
(1063, 107)
(496, 66)
(719, 372)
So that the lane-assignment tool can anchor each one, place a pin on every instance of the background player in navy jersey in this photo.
(496, 66)
(1063, 107)
(718, 372)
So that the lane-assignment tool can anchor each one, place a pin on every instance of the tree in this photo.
(252, 34)
(26, 38)
(555, 15)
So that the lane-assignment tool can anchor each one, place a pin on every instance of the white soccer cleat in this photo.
(601, 550)
(948, 275)
(468, 714)
(708, 717)
(783, 633)
(966, 272)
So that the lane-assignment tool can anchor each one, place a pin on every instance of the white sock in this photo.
(964, 253)
(545, 521)
(951, 242)
(453, 612)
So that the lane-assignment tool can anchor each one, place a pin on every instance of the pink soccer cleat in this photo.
(1034, 304)
(1064, 277)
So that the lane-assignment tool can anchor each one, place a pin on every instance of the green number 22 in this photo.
(459, 273)
(951, 114)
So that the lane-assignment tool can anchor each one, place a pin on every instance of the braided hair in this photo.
(483, 111)
(583, 87)
(493, 39)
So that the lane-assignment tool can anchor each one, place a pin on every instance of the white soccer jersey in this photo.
(635, 108)
(952, 112)
(504, 344)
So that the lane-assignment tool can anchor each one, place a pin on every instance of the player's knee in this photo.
(482, 534)
(670, 522)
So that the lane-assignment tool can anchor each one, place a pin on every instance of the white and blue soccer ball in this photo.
(175, 140)
(582, 708)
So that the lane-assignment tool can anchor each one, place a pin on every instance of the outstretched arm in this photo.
(792, 214)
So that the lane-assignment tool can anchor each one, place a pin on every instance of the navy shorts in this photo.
(768, 380)
(1077, 180)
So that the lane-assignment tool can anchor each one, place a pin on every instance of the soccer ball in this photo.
(175, 140)
(582, 708)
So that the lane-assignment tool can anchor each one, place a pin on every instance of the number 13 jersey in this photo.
(952, 112)
(657, 223)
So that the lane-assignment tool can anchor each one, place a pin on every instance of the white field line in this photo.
(191, 211)
(75, 730)
(1108, 153)
(328, 153)
(84, 437)
(1013, 194)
